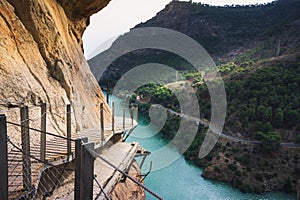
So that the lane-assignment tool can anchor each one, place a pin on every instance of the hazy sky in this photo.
(121, 15)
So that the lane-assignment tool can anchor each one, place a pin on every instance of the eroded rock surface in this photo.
(41, 60)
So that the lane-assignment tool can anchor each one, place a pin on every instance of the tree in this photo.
(291, 118)
(269, 113)
(261, 112)
(264, 113)
(267, 127)
(270, 140)
(263, 127)
(297, 139)
(278, 118)
(245, 122)
(251, 113)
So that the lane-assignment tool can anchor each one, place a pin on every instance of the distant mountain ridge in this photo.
(222, 29)
(225, 32)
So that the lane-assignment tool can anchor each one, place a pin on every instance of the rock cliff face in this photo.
(41, 59)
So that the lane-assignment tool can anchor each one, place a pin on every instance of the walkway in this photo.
(121, 155)
(25, 169)
(205, 122)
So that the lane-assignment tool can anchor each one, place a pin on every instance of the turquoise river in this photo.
(182, 180)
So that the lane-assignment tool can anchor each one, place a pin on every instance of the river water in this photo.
(182, 180)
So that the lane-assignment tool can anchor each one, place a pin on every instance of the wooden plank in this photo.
(121, 155)
(3, 159)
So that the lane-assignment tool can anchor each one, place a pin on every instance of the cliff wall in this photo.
(41, 59)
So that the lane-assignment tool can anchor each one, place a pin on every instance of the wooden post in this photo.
(113, 117)
(87, 171)
(124, 110)
(107, 92)
(69, 130)
(43, 132)
(78, 165)
(102, 122)
(3, 159)
(26, 148)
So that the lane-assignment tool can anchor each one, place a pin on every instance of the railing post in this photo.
(78, 166)
(124, 111)
(113, 117)
(3, 159)
(69, 130)
(137, 113)
(131, 113)
(26, 148)
(87, 171)
(107, 91)
(102, 122)
(43, 131)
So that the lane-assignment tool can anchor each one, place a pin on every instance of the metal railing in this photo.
(37, 162)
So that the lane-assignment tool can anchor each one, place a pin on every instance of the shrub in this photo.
(259, 177)
(232, 167)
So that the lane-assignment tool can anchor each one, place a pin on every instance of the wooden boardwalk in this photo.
(121, 155)
(56, 152)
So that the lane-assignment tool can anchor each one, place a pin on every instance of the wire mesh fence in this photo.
(40, 161)
(38, 181)
(31, 173)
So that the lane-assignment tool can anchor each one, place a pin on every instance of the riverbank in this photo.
(182, 179)
(259, 165)
(246, 166)
(237, 161)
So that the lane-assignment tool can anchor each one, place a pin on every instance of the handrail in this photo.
(52, 134)
(101, 188)
(33, 157)
(127, 175)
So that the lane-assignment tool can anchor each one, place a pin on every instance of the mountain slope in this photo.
(227, 33)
